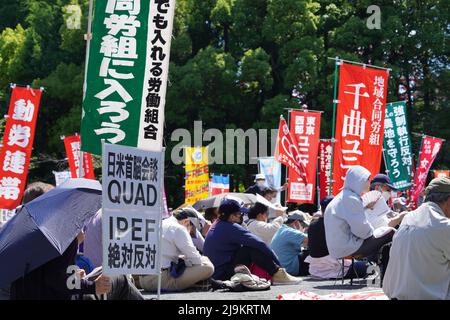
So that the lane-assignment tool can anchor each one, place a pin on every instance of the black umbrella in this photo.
(43, 228)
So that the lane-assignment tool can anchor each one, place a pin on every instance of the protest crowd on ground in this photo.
(344, 195)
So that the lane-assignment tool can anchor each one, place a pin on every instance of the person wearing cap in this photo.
(258, 222)
(399, 204)
(419, 266)
(288, 242)
(382, 183)
(260, 184)
(177, 244)
(228, 245)
(321, 264)
(347, 230)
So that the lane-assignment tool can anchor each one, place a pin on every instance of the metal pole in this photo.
(336, 79)
(360, 63)
(160, 227)
(88, 38)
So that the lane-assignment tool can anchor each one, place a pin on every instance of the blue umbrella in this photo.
(43, 228)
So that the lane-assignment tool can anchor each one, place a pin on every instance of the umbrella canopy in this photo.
(214, 201)
(43, 228)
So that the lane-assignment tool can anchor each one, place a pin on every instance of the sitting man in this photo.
(228, 244)
(347, 231)
(419, 267)
(258, 225)
(49, 281)
(382, 183)
(179, 253)
(287, 244)
(321, 264)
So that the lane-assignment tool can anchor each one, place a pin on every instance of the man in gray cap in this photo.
(419, 266)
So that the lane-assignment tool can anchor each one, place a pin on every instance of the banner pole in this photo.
(360, 63)
(336, 73)
(286, 192)
(160, 227)
(88, 37)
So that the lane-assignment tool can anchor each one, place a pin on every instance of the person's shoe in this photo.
(281, 277)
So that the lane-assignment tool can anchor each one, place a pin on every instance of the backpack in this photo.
(242, 281)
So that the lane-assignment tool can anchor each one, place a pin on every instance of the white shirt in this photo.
(265, 230)
(177, 241)
(419, 263)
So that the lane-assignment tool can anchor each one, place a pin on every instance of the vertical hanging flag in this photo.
(286, 151)
(197, 175)
(219, 183)
(324, 167)
(72, 145)
(17, 145)
(272, 171)
(429, 150)
(305, 126)
(360, 121)
(397, 146)
(441, 173)
(127, 74)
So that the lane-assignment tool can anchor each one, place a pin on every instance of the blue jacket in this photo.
(224, 239)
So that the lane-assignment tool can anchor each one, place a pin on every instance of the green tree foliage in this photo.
(235, 63)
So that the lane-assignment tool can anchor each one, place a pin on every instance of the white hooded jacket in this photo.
(346, 225)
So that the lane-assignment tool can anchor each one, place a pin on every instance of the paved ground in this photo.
(317, 286)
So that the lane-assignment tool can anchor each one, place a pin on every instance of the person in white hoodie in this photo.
(347, 231)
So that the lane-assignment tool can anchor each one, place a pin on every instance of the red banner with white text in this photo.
(305, 126)
(72, 145)
(360, 121)
(441, 173)
(324, 167)
(286, 151)
(17, 145)
(429, 151)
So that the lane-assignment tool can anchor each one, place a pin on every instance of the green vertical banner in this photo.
(397, 145)
(127, 74)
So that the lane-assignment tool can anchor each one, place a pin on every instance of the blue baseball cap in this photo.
(232, 205)
(382, 179)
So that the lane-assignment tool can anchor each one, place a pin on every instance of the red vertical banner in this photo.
(429, 151)
(360, 121)
(286, 150)
(324, 167)
(72, 145)
(305, 127)
(17, 145)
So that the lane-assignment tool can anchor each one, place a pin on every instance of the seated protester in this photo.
(287, 245)
(258, 225)
(321, 264)
(419, 267)
(347, 231)
(182, 265)
(196, 228)
(228, 244)
(382, 183)
(33, 190)
(49, 281)
(92, 244)
(211, 215)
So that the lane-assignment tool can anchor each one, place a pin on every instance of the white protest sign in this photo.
(61, 177)
(132, 206)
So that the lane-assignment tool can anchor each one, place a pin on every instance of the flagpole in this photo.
(88, 37)
(335, 101)
(286, 170)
